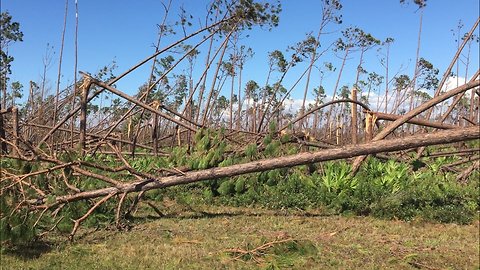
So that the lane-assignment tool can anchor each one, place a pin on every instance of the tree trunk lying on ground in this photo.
(441, 137)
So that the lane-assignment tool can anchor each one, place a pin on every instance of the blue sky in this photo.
(125, 31)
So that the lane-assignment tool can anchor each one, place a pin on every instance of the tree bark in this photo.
(354, 116)
(3, 144)
(370, 120)
(16, 129)
(83, 112)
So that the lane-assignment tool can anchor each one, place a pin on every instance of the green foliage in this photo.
(285, 138)
(226, 162)
(390, 175)
(272, 127)
(145, 164)
(336, 177)
(382, 189)
(268, 139)
(227, 188)
(431, 199)
(209, 150)
(178, 156)
(240, 185)
(16, 227)
(10, 32)
(272, 148)
(251, 150)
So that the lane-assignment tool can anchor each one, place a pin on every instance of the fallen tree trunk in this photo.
(411, 114)
(148, 107)
(95, 136)
(441, 137)
(416, 121)
(346, 100)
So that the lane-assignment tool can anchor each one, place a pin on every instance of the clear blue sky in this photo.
(124, 31)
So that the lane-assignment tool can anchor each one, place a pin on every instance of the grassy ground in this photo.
(239, 238)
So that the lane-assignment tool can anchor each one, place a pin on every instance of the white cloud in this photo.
(453, 82)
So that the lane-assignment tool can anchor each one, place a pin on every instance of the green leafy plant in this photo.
(337, 177)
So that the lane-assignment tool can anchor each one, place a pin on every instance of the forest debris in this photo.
(425, 106)
(463, 176)
(441, 137)
(257, 252)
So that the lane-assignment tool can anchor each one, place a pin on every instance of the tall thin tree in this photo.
(57, 92)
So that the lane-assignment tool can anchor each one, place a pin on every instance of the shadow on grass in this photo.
(200, 214)
(29, 251)
(183, 215)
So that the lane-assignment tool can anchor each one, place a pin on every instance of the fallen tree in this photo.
(441, 137)
(416, 121)
(411, 114)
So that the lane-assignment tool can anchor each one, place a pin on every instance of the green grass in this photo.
(204, 237)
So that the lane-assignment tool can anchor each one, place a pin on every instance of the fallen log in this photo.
(346, 100)
(411, 114)
(462, 177)
(457, 152)
(441, 137)
(148, 107)
(416, 121)
(96, 136)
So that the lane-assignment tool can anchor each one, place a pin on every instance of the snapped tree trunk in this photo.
(83, 112)
(3, 144)
(16, 129)
(354, 116)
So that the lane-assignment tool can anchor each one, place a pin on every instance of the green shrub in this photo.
(382, 189)
(15, 227)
